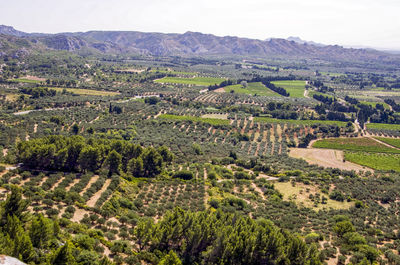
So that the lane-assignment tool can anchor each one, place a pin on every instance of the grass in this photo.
(200, 81)
(374, 160)
(391, 141)
(12, 97)
(212, 121)
(88, 92)
(299, 195)
(23, 80)
(383, 126)
(300, 122)
(252, 88)
(355, 144)
(294, 87)
(215, 116)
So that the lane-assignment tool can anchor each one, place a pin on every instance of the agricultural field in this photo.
(174, 72)
(212, 121)
(199, 81)
(137, 153)
(390, 141)
(88, 92)
(383, 126)
(256, 88)
(386, 162)
(300, 122)
(25, 80)
(364, 144)
(294, 87)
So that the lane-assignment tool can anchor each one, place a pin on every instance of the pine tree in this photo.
(170, 259)
(14, 205)
(41, 231)
(64, 256)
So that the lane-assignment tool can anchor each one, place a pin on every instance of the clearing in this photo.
(300, 194)
(325, 158)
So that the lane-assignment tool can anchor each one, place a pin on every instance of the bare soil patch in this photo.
(92, 201)
(325, 158)
(91, 181)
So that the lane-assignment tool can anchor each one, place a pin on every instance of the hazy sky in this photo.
(347, 22)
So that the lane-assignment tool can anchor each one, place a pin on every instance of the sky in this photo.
(369, 23)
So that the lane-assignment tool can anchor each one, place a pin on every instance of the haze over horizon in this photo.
(356, 23)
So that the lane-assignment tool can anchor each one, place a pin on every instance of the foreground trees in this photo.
(207, 237)
(214, 237)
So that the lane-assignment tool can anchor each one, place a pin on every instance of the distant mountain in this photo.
(7, 30)
(187, 44)
(300, 41)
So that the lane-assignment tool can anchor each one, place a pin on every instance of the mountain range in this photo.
(187, 44)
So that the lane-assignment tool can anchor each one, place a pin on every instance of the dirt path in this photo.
(75, 181)
(327, 158)
(92, 201)
(259, 190)
(357, 127)
(56, 184)
(91, 181)
(78, 215)
(306, 93)
(386, 144)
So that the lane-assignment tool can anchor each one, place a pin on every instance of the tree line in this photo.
(75, 153)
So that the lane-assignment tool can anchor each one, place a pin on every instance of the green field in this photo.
(391, 141)
(294, 87)
(252, 89)
(88, 92)
(383, 126)
(374, 160)
(355, 144)
(23, 80)
(212, 121)
(300, 122)
(200, 81)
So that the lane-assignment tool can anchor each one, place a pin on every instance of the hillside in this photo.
(188, 44)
